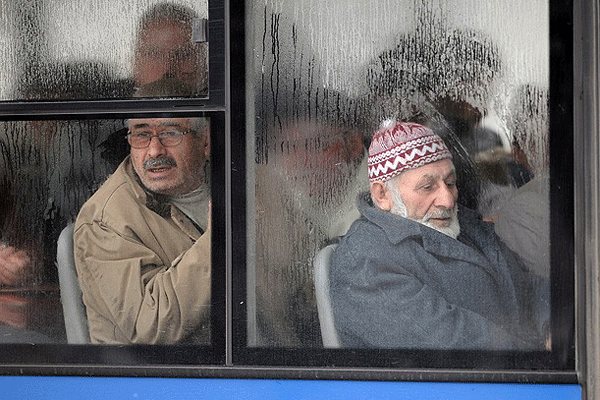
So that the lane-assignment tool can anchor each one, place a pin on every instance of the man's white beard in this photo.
(452, 230)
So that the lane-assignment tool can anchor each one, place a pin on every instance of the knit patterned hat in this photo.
(401, 146)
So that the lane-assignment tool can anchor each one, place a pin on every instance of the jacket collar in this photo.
(158, 203)
(477, 243)
(479, 235)
(154, 201)
(396, 228)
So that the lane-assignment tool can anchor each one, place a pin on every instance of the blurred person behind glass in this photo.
(165, 46)
(523, 219)
(311, 165)
(47, 170)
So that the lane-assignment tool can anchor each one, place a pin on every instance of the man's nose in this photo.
(446, 198)
(155, 147)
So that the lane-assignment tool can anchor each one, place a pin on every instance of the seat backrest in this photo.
(70, 292)
(321, 272)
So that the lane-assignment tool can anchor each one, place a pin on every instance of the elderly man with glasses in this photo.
(142, 241)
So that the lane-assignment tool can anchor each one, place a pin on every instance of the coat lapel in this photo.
(482, 250)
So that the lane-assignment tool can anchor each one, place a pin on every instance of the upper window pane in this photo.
(325, 76)
(56, 50)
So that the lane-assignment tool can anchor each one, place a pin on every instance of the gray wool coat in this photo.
(396, 283)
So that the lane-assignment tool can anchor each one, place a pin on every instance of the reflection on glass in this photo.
(103, 50)
(320, 91)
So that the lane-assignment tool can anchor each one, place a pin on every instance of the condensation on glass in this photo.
(57, 50)
(324, 75)
(48, 169)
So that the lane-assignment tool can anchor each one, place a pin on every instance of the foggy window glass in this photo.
(50, 169)
(324, 76)
(57, 50)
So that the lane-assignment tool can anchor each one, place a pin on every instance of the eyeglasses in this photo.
(181, 53)
(169, 138)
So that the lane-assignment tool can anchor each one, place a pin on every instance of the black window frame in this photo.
(230, 357)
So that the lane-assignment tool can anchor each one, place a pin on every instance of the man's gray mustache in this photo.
(439, 214)
(159, 162)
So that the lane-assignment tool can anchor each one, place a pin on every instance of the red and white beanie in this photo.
(401, 146)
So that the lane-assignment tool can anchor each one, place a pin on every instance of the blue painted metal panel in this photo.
(67, 388)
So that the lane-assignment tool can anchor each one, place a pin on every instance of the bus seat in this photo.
(325, 311)
(70, 292)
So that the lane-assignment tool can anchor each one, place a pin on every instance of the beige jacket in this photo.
(143, 267)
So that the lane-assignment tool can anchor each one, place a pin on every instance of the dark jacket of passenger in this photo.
(396, 283)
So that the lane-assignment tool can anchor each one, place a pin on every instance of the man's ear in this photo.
(381, 196)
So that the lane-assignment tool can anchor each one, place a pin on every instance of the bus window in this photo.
(51, 169)
(58, 51)
(72, 79)
(324, 77)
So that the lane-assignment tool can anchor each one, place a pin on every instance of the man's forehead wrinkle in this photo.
(170, 123)
(451, 174)
(141, 125)
(434, 176)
